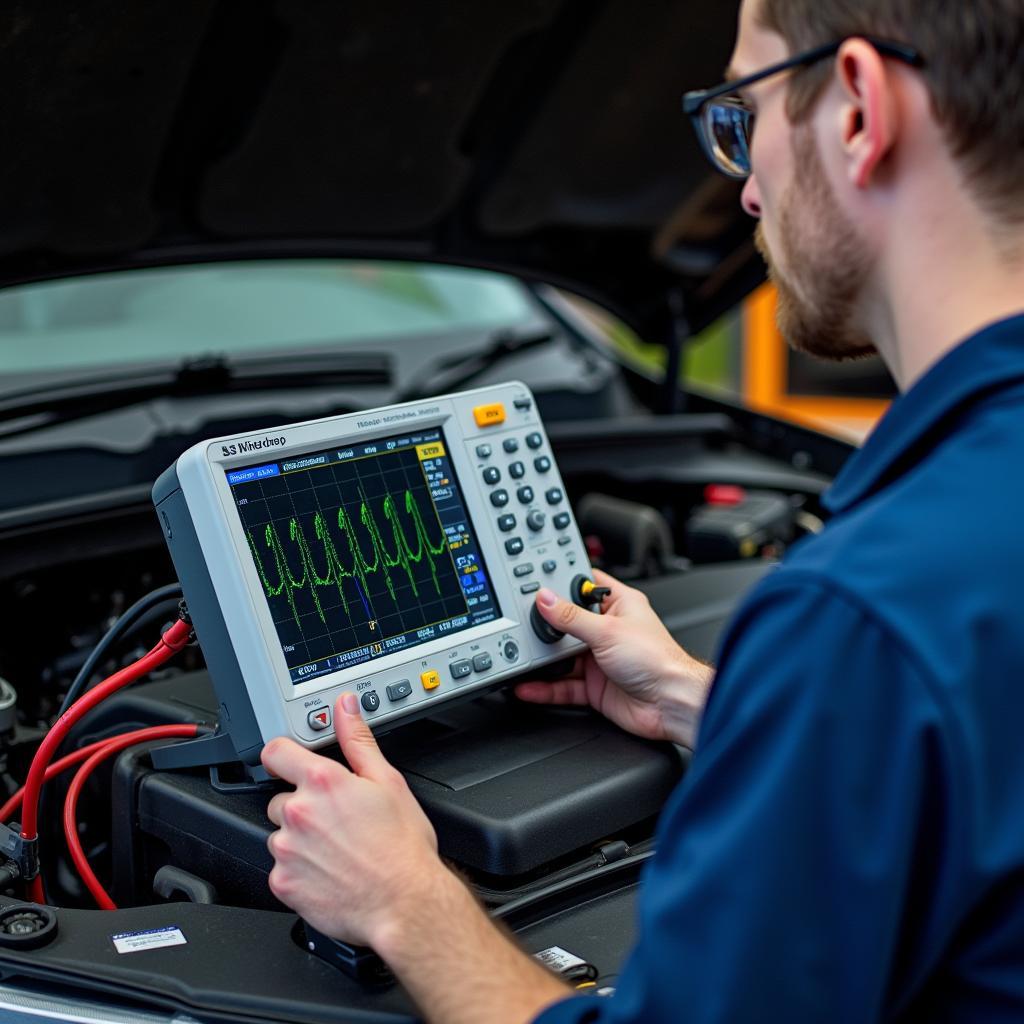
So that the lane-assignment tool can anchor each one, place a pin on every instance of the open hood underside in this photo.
(543, 137)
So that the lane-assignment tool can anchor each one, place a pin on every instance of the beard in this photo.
(826, 264)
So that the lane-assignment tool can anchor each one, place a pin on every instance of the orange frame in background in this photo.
(765, 378)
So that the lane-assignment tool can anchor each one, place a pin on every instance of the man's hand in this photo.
(635, 674)
(356, 857)
(354, 848)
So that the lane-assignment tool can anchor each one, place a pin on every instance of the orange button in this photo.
(489, 415)
(430, 680)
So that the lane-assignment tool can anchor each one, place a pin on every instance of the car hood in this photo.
(543, 137)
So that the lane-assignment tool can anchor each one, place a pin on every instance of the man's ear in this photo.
(868, 117)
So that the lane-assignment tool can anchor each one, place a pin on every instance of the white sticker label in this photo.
(157, 938)
(557, 959)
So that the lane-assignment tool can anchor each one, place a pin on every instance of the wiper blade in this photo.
(87, 396)
(454, 372)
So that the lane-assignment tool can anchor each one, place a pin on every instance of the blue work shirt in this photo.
(848, 845)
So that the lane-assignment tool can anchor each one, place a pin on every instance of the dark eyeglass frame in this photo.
(695, 102)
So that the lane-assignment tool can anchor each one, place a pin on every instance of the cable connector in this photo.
(21, 853)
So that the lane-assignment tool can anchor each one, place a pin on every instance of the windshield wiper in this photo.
(82, 396)
(454, 372)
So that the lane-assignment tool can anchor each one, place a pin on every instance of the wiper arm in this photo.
(87, 396)
(454, 372)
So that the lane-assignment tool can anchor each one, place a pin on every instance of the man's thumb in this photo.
(570, 618)
(355, 739)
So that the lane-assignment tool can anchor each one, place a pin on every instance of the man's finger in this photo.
(570, 618)
(356, 740)
(275, 809)
(288, 760)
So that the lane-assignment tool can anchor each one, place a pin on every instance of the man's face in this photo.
(816, 258)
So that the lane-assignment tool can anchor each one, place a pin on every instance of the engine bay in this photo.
(531, 805)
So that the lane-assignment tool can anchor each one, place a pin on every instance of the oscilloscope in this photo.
(393, 552)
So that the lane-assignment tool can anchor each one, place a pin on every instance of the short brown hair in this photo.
(973, 66)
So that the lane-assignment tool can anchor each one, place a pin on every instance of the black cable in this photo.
(127, 619)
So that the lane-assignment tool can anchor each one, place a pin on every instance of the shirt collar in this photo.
(991, 360)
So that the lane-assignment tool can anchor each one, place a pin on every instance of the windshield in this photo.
(242, 309)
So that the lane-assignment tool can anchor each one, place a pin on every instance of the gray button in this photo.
(534, 440)
(460, 669)
(491, 475)
(399, 690)
(561, 520)
(516, 470)
(562, 541)
(542, 463)
(319, 719)
(550, 565)
(529, 588)
(499, 499)
(370, 700)
(522, 403)
(535, 520)
(506, 523)
(511, 650)
(523, 570)
(483, 451)
(510, 444)
(482, 662)
(525, 494)
(553, 494)
(514, 545)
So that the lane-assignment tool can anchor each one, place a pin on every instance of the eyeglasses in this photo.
(725, 124)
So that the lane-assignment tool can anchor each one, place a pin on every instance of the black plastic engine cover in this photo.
(509, 789)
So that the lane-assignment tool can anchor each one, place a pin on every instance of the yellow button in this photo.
(489, 415)
(430, 680)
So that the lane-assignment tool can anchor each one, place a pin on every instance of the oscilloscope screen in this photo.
(362, 551)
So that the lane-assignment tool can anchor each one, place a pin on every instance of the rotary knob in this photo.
(535, 520)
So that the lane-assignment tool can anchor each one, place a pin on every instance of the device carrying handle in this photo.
(358, 962)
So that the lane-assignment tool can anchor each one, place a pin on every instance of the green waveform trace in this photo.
(335, 572)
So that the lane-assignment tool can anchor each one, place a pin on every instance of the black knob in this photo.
(585, 592)
(547, 633)
(535, 520)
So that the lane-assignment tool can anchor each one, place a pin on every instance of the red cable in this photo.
(171, 642)
(9, 809)
(108, 749)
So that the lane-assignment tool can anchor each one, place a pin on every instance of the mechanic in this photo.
(848, 844)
